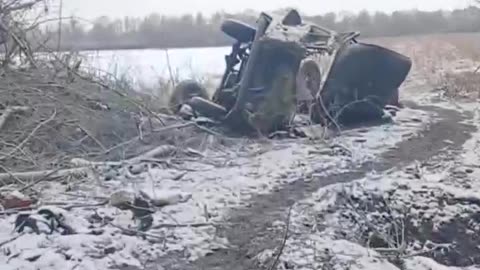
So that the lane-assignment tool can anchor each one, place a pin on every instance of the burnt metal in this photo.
(255, 93)
(362, 81)
(235, 113)
(208, 108)
(239, 31)
(52, 220)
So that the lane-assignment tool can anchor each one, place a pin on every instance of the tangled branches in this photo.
(17, 19)
(52, 111)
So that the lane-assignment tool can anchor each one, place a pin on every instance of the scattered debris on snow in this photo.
(422, 216)
(183, 200)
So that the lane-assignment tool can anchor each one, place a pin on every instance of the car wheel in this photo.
(183, 92)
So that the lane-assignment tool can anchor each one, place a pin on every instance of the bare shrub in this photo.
(464, 85)
(69, 111)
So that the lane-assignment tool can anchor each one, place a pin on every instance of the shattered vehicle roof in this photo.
(304, 35)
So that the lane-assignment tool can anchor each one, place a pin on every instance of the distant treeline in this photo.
(158, 31)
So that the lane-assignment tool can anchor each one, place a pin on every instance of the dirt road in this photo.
(253, 229)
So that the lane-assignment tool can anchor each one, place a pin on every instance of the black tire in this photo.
(183, 92)
(238, 30)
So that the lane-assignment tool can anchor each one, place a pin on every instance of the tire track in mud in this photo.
(253, 232)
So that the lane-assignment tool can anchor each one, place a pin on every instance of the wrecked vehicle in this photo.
(285, 67)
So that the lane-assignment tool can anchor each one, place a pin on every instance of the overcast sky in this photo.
(118, 8)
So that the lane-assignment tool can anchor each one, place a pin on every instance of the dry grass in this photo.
(83, 113)
(463, 85)
(68, 119)
(459, 77)
(443, 62)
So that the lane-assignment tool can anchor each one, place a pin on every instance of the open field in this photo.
(396, 196)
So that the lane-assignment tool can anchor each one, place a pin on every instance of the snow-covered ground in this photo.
(396, 219)
(202, 189)
(408, 215)
(421, 216)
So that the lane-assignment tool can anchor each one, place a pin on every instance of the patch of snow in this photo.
(319, 251)
(471, 154)
(320, 220)
(422, 263)
(438, 191)
(379, 139)
(208, 188)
